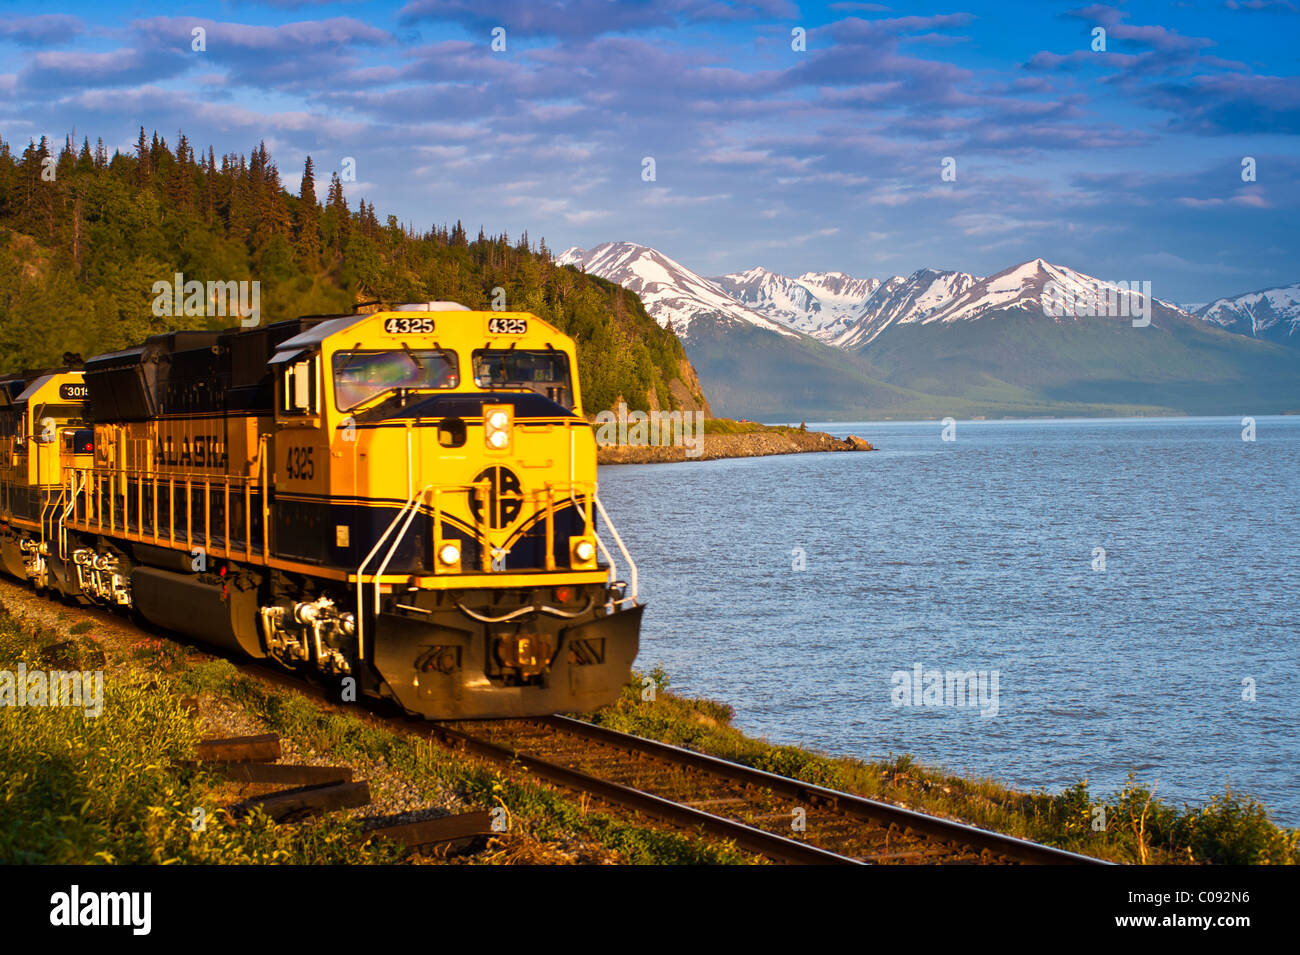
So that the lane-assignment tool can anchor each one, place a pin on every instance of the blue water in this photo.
(978, 554)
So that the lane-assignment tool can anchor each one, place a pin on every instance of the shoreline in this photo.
(747, 444)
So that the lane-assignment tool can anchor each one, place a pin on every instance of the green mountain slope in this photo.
(750, 372)
(1019, 358)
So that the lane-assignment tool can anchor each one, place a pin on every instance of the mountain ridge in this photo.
(1272, 314)
(820, 304)
(1034, 338)
(672, 294)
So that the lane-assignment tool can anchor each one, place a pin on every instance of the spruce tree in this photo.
(307, 226)
(144, 168)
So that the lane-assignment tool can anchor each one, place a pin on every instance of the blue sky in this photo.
(1126, 164)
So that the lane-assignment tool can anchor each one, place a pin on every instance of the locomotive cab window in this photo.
(79, 440)
(298, 391)
(452, 433)
(360, 375)
(543, 372)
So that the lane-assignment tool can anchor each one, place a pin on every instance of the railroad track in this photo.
(783, 819)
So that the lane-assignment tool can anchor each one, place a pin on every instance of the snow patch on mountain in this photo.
(1272, 314)
(900, 301)
(820, 304)
(1041, 286)
(672, 294)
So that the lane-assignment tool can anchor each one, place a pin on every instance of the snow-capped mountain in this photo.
(902, 300)
(1033, 339)
(1272, 314)
(1059, 292)
(820, 304)
(850, 313)
(672, 294)
(1054, 291)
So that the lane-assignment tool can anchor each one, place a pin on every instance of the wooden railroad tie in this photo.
(292, 804)
(428, 832)
(323, 789)
(286, 774)
(240, 749)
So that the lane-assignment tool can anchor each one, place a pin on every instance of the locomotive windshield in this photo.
(360, 375)
(545, 372)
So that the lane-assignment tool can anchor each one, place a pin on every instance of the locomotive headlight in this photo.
(583, 551)
(496, 427)
(449, 554)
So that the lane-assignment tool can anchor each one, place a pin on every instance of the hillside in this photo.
(84, 236)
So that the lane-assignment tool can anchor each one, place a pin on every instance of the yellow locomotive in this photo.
(404, 499)
(42, 432)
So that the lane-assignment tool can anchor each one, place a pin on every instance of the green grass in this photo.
(717, 426)
(1139, 828)
(115, 788)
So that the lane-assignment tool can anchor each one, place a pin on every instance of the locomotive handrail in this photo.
(361, 570)
(590, 524)
(122, 481)
(521, 611)
(71, 491)
(609, 560)
(69, 508)
(621, 546)
(414, 506)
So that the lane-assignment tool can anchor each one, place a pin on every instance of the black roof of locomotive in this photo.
(190, 372)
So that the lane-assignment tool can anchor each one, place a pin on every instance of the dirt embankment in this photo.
(748, 445)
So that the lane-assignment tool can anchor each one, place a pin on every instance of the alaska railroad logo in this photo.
(503, 499)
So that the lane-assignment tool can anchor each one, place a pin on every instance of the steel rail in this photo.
(751, 839)
(777, 848)
(849, 804)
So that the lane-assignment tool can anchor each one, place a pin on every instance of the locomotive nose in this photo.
(529, 653)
